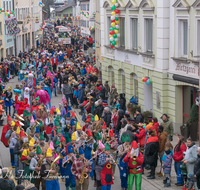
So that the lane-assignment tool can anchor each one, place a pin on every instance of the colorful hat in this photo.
(22, 134)
(111, 134)
(8, 118)
(73, 114)
(32, 120)
(104, 126)
(49, 153)
(70, 149)
(148, 127)
(89, 134)
(40, 124)
(31, 143)
(12, 123)
(42, 137)
(62, 139)
(78, 126)
(80, 150)
(123, 138)
(107, 147)
(51, 111)
(26, 113)
(58, 111)
(38, 98)
(73, 138)
(57, 143)
(32, 140)
(57, 123)
(127, 138)
(18, 131)
(92, 118)
(51, 146)
(98, 136)
(101, 146)
(59, 130)
(17, 124)
(68, 114)
(88, 120)
(37, 130)
(134, 144)
(38, 150)
(96, 118)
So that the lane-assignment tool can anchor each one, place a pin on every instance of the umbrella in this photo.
(44, 96)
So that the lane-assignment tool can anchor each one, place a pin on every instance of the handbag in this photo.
(7, 99)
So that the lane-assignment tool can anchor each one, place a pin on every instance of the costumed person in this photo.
(67, 164)
(49, 122)
(6, 128)
(27, 94)
(34, 166)
(44, 97)
(51, 179)
(35, 106)
(56, 140)
(30, 81)
(135, 160)
(41, 115)
(122, 152)
(43, 145)
(106, 161)
(1, 112)
(62, 151)
(79, 167)
(79, 133)
(22, 106)
(36, 136)
(8, 100)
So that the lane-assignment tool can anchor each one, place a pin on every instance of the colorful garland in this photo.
(147, 80)
(94, 13)
(42, 26)
(11, 25)
(86, 15)
(92, 28)
(7, 12)
(114, 30)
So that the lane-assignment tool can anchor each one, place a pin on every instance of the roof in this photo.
(62, 8)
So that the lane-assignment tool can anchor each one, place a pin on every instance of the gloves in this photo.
(171, 138)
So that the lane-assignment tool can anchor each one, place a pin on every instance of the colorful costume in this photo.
(6, 128)
(22, 106)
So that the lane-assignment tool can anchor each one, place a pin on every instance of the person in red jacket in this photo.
(22, 106)
(90, 39)
(178, 157)
(54, 63)
(141, 136)
(4, 131)
(135, 161)
(155, 125)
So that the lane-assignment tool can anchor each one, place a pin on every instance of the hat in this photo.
(59, 130)
(38, 98)
(149, 126)
(98, 136)
(38, 150)
(32, 140)
(123, 137)
(96, 118)
(42, 136)
(107, 147)
(26, 113)
(68, 114)
(134, 144)
(12, 123)
(51, 111)
(37, 130)
(32, 120)
(8, 118)
(89, 134)
(70, 149)
(92, 118)
(58, 111)
(73, 138)
(80, 150)
(73, 114)
(51, 146)
(49, 153)
(111, 134)
(22, 134)
(40, 124)
(62, 139)
(18, 131)
(10, 87)
(78, 126)
(31, 143)
(88, 120)
(104, 126)
(101, 146)
(57, 123)
(127, 138)
(17, 123)
(57, 143)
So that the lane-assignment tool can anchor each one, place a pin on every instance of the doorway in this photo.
(148, 97)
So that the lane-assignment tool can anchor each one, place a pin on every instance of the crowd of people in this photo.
(47, 142)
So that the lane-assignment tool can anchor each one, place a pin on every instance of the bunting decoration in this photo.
(92, 28)
(7, 12)
(11, 25)
(84, 14)
(147, 80)
(114, 30)
(94, 13)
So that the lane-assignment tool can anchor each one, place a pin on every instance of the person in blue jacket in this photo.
(67, 164)
(55, 84)
(80, 94)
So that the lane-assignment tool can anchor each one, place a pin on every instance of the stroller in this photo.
(190, 184)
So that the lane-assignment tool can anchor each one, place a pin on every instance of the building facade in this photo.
(2, 42)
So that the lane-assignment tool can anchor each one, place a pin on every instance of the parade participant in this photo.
(41, 115)
(1, 112)
(67, 164)
(106, 161)
(41, 127)
(103, 133)
(87, 124)
(51, 179)
(22, 106)
(43, 145)
(4, 131)
(27, 94)
(8, 100)
(122, 152)
(26, 159)
(35, 106)
(27, 118)
(79, 167)
(141, 136)
(79, 133)
(54, 61)
(94, 127)
(18, 150)
(36, 168)
(36, 136)
(135, 161)
(57, 138)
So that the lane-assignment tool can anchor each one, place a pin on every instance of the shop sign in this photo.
(189, 69)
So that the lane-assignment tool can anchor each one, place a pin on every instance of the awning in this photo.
(186, 79)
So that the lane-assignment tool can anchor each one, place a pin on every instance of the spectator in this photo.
(90, 41)
(130, 132)
(155, 124)
(120, 116)
(107, 116)
(141, 137)
(107, 90)
(122, 102)
(138, 116)
(68, 92)
(197, 168)
(6, 183)
(80, 94)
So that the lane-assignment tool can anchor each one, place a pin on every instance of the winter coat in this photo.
(4, 185)
(67, 89)
(139, 119)
(130, 132)
(141, 136)
(151, 151)
(178, 156)
(167, 164)
(121, 115)
(81, 95)
(113, 95)
(155, 127)
(98, 110)
(197, 166)
(122, 103)
(107, 118)
(162, 141)
(168, 127)
(192, 156)
(107, 89)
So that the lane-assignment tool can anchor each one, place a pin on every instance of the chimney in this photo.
(65, 2)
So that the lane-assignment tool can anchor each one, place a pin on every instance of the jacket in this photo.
(139, 119)
(121, 115)
(162, 141)
(151, 151)
(123, 129)
(155, 127)
(178, 156)
(130, 132)
(80, 95)
(18, 147)
(167, 164)
(141, 136)
(4, 185)
(13, 142)
(197, 166)
(107, 118)
(98, 110)
(168, 127)
(54, 62)
(122, 103)
(67, 89)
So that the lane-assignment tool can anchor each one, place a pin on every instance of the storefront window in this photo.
(134, 84)
(111, 75)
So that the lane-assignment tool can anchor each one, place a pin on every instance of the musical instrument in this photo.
(19, 118)
(34, 126)
(67, 161)
(83, 174)
(109, 141)
(134, 157)
(39, 164)
(112, 160)
(30, 154)
(101, 121)
(94, 156)
(60, 156)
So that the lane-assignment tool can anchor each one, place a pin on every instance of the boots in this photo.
(95, 183)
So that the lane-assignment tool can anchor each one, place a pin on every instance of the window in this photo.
(83, 23)
(5, 29)
(122, 32)
(198, 38)
(134, 33)
(4, 4)
(111, 75)
(0, 28)
(134, 84)
(88, 7)
(10, 6)
(123, 83)
(108, 29)
(87, 24)
(83, 7)
(149, 35)
(182, 38)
